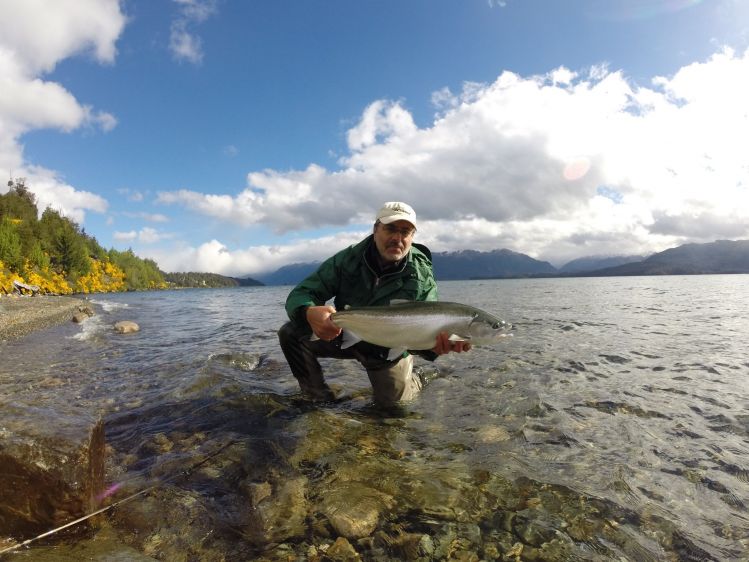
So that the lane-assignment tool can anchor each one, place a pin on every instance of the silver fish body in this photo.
(415, 325)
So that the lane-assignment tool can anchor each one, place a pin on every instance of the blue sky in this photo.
(238, 136)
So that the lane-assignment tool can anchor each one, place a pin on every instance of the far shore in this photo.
(21, 315)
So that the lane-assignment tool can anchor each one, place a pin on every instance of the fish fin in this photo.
(456, 337)
(349, 339)
(396, 352)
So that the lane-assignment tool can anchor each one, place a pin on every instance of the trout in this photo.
(408, 325)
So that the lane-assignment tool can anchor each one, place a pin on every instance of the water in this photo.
(612, 426)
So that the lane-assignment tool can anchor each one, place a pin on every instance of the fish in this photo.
(415, 325)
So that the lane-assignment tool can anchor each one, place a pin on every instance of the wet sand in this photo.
(21, 315)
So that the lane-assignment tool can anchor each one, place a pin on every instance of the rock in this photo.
(279, 515)
(47, 480)
(126, 327)
(534, 530)
(341, 551)
(79, 317)
(354, 509)
(170, 523)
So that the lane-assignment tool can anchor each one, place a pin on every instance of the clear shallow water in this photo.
(613, 425)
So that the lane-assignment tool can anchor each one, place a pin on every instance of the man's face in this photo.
(393, 240)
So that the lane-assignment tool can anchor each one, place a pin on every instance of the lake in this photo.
(613, 425)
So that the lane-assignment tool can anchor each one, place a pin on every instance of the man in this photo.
(386, 265)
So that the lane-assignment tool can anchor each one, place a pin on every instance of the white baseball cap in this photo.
(396, 211)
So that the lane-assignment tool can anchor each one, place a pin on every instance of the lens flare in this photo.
(576, 168)
(108, 492)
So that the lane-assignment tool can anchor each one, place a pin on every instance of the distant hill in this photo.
(289, 274)
(208, 280)
(722, 256)
(466, 264)
(592, 263)
(470, 264)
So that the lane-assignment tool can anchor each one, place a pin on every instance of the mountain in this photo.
(466, 264)
(470, 264)
(592, 263)
(722, 256)
(289, 274)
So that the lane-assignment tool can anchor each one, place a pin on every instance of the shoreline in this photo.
(22, 315)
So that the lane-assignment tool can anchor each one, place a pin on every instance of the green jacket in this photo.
(348, 277)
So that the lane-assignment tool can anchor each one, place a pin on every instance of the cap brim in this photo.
(394, 218)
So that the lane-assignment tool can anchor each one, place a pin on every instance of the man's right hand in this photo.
(320, 322)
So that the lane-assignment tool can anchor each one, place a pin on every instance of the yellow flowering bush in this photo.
(6, 279)
(48, 281)
(153, 285)
(104, 277)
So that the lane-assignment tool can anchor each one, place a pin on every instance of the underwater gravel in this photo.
(21, 315)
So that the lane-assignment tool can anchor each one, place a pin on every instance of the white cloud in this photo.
(132, 195)
(216, 257)
(184, 44)
(35, 35)
(125, 236)
(146, 235)
(51, 191)
(150, 217)
(149, 235)
(40, 33)
(380, 121)
(527, 163)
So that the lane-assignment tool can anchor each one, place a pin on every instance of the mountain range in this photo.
(722, 256)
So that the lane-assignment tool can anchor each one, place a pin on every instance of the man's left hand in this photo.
(444, 345)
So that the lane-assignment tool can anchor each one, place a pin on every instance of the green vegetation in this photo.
(54, 253)
(212, 280)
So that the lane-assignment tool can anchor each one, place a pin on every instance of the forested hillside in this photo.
(55, 254)
(208, 280)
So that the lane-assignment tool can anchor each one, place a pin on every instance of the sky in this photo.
(238, 136)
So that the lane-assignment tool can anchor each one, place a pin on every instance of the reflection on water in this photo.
(612, 426)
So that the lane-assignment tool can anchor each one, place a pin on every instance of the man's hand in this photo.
(320, 322)
(444, 345)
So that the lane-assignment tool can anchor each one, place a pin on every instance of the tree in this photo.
(70, 253)
(58, 255)
(10, 245)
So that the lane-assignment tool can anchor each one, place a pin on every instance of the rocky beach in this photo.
(21, 315)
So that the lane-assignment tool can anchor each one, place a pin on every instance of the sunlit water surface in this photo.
(612, 425)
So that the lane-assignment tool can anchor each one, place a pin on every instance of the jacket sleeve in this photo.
(315, 290)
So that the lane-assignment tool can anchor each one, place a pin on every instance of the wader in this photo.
(392, 381)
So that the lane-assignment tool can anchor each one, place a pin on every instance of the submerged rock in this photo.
(354, 509)
(47, 480)
(341, 551)
(278, 510)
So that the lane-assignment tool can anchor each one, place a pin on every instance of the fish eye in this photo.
(495, 326)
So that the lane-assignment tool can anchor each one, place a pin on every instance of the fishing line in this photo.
(159, 482)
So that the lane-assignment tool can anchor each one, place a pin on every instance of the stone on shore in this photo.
(83, 313)
(126, 327)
